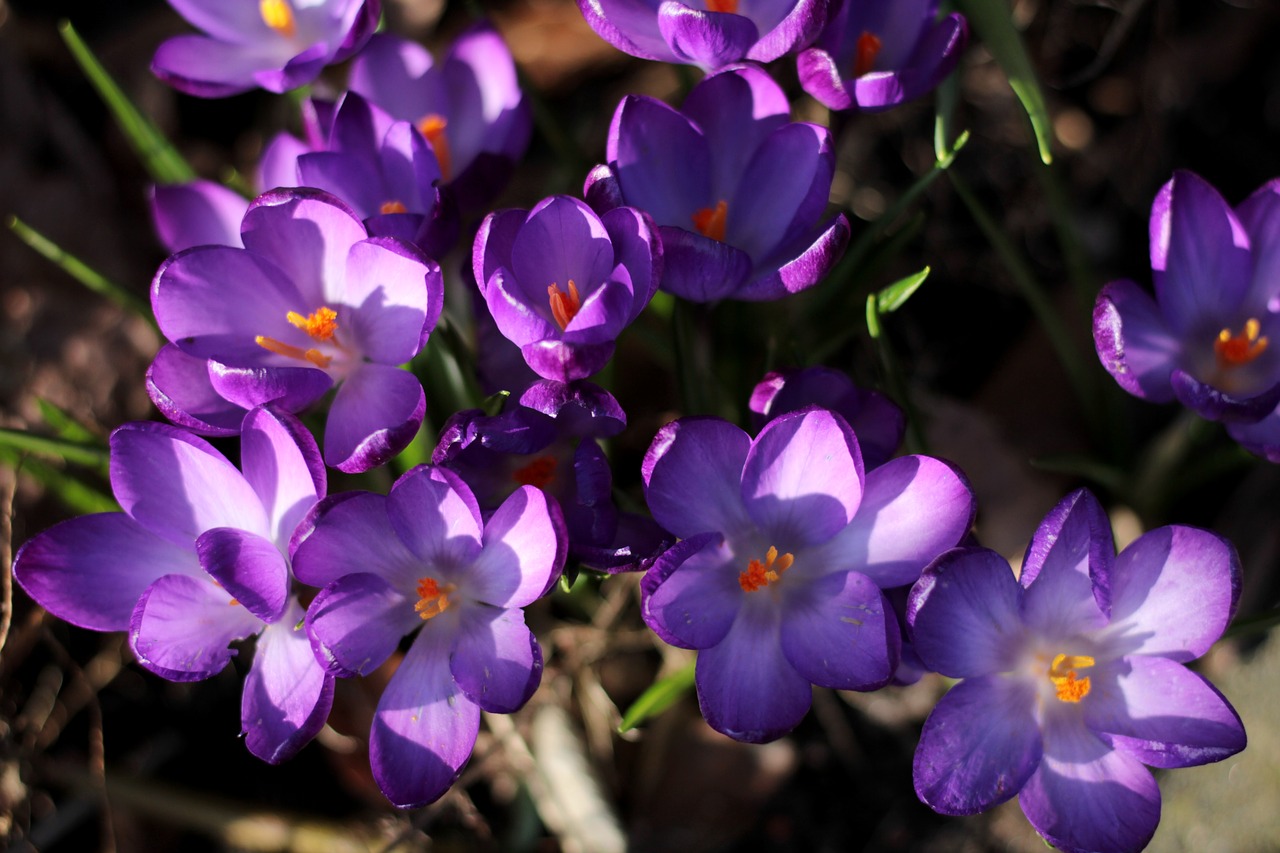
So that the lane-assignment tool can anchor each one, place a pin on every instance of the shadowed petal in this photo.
(1133, 341)
(248, 567)
(182, 626)
(356, 622)
(642, 139)
(691, 595)
(700, 269)
(196, 214)
(350, 532)
(839, 632)
(692, 475)
(707, 39)
(435, 514)
(396, 293)
(375, 414)
(495, 658)
(179, 386)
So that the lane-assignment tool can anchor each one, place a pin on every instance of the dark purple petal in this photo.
(1133, 341)
(1260, 216)
(736, 109)
(524, 551)
(661, 160)
(356, 622)
(629, 25)
(495, 659)
(580, 409)
(250, 568)
(181, 628)
(561, 362)
(1217, 405)
(1071, 551)
(798, 29)
(691, 596)
(773, 205)
(979, 746)
(709, 40)
(179, 386)
(374, 416)
(692, 475)
(1262, 438)
(350, 532)
(638, 249)
(700, 269)
(196, 214)
(290, 388)
(839, 632)
(282, 464)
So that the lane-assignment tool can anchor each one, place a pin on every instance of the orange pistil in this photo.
(864, 58)
(710, 220)
(1062, 672)
(393, 206)
(313, 355)
(320, 326)
(538, 473)
(278, 15)
(760, 574)
(432, 127)
(564, 306)
(730, 6)
(433, 599)
(1235, 350)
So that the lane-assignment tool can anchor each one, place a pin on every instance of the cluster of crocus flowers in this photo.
(1074, 675)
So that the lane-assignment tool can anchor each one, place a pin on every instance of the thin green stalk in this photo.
(894, 377)
(89, 455)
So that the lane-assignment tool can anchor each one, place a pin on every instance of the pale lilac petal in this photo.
(838, 631)
(822, 78)
(707, 39)
(180, 387)
(964, 614)
(375, 414)
(208, 68)
(629, 25)
(524, 551)
(561, 240)
(182, 627)
(1161, 713)
(691, 595)
(396, 294)
(979, 746)
(278, 166)
(238, 23)
(436, 516)
(350, 532)
(282, 464)
(424, 728)
(1134, 342)
(290, 388)
(394, 73)
(804, 269)
(1086, 796)
(495, 658)
(250, 568)
(692, 475)
(1173, 592)
(356, 622)
(1071, 551)
(91, 570)
(287, 694)
(196, 214)
(308, 234)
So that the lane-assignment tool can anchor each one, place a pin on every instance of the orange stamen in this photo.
(564, 306)
(710, 221)
(759, 575)
(278, 15)
(868, 48)
(432, 127)
(1062, 672)
(433, 599)
(538, 473)
(314, 356)
(319, 326)
(1235, 350)
(393, 206)
(730, 6)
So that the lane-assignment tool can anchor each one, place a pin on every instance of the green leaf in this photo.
(93, 456)
(63, 424)
(74, 493)
(894, 296)
(873, 318)
(660, 696)
(993, 22)
(160, 158)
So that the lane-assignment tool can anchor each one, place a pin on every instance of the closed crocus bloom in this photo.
(197, 561)
(710, 35)
(737, 189)
(875, 54)
(785, 547)
(1074, 675)
(275, 45)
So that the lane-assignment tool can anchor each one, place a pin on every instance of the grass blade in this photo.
(660, 696)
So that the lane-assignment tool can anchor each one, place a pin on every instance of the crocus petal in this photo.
(964, 614)
(283, 465)
(352, 178)
(424, 728)
(395, 73)
(375, 414)
(802, 479)
(637, 249)
(803, 270)
(1260, 216)
(643, 136)
(707, 39)
(196, 214)
(772, 204)
(1133, 341)
(397, 293)
(290, 388)
(524, 550)
(90, 571)
(692, 475)
(287, 695)
(1261, 438)
(179, 386)
(356, 622)
(691, 596)
(629, 25)
(746, 687)
(736, 109)
(979, 746)
(1161, 713)
(495, 658)
(208, 68)
(237, 23)
(436, 516)
(278, 166)
(1217, 405)
(700, 269)
(839, 632)
(801, 26)
(821, 78)
(250, 568)
(177, 486)
(1071, 550)
(1173, 592)
(181, 628)
(350, 532)
(1086, 796)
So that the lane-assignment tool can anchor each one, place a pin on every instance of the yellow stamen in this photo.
(564, 306)
(730, 6)
(278, 15)
(867, 50)
(393, 206)
(314, 356)
(1062, 672)
(320, 326)
(1235, 350)
(759, 575)
(538, 473)
(710, 221)
(433, 598)
(432, 127)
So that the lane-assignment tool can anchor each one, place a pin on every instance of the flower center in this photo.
(865, 53)
(564, 306)
(710, 220)
(1062, 672)
(759, 575)
(319, 326)
(432, 127)
(278, 15)
(730, 6)
(395, 205)
(538, 473)
(433, 598)
(1235, 350)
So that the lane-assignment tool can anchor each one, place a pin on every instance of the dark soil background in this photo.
(97, 754)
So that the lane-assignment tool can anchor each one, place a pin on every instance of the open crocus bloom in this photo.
(421, 559)
(1073, 675)
(1205, 337)
(310, 302)
(785, 547)
(874, 54)
(195, 562)
(276, 45)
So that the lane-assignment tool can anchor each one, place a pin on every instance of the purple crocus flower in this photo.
(1073, 675)
(737, 189)
(1203, 339)
(421, 558)
(470, 105)
(562, 283)
(711, 34)
(196, 536)
(875, 54)
(786, 546)
(309, 302)
(276, 45)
